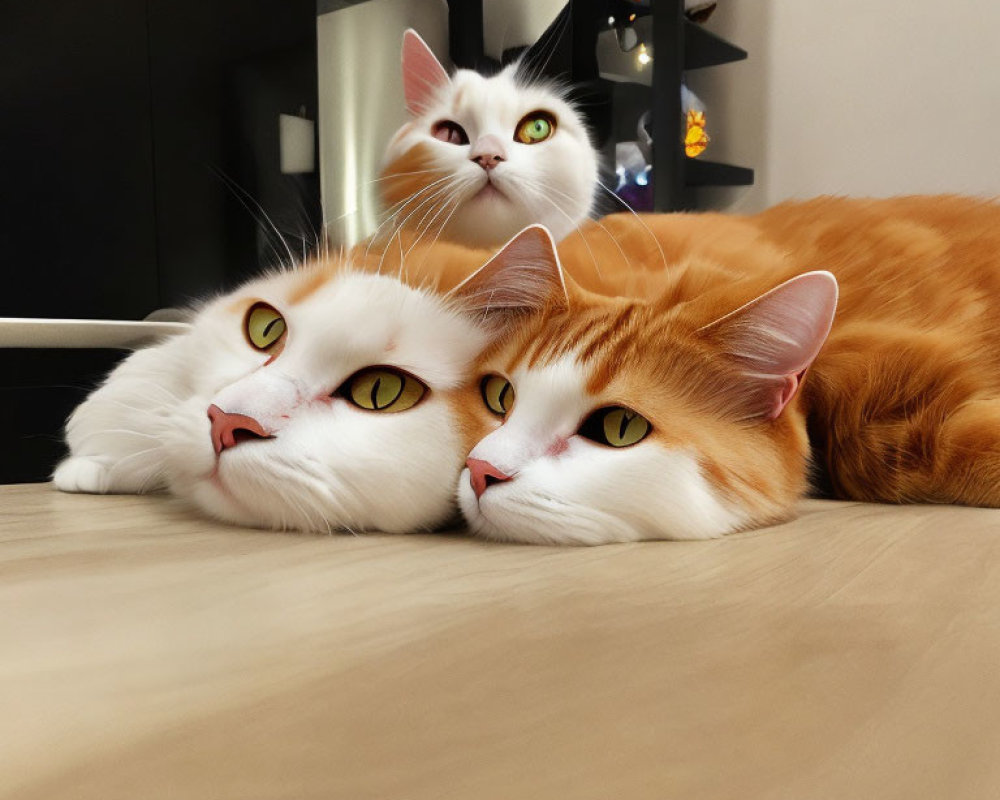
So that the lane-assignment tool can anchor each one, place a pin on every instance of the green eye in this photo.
(616, 426)
(497, 393)
(384, 389)
(535, 127)
(264, 326)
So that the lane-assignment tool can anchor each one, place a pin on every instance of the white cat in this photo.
(319, 398)
(483, 157)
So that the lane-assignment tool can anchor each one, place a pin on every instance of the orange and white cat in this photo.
(320, 398)
(483, 157)
(691, 373)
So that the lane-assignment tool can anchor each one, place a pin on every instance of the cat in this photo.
(318, 398)
(483, 157)
(693, 384)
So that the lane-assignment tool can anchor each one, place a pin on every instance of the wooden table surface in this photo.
(148, 653)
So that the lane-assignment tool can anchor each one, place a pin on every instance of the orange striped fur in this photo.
(901, 405)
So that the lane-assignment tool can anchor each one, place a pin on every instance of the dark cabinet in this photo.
(138, 148)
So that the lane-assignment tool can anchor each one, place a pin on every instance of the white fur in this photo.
(552, 182)
(330, 465)
(569, 490)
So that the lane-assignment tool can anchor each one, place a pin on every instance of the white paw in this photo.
(83, 474)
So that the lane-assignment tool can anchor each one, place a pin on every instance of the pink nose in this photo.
(482, 475)
(228, 430)
(487, 152)
(488, 161)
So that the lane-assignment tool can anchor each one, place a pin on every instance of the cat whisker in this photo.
(457, 190)
(390, 175)
(397, 208)
(152, 475)
(151, 386)
(399, 205)
(119, 431)
(457, 187)
(444, 225)
(597, 266)
(397, 233)
(124, 405)
(130, 456)
(638, 218)
(442, 207)
(433, 187)
(598, 223)
(245, 198)
(420, 227)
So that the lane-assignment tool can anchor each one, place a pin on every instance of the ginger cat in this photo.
(678, 385)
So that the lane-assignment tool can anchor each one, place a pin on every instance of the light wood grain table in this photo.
(148, 653)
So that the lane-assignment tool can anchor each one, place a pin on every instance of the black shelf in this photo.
(713, 173)
(703, 48)
(686, 46)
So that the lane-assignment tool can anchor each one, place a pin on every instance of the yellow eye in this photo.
(497, 393)
(616, 426)
(384, 389)
(264, 326)
(535, 127)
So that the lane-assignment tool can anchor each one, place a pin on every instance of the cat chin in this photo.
(490, 218)
(554, 501)
(305, 503)
(489, 194)
(506, 515)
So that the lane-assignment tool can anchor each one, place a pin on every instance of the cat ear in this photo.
(775, 338)
(524, 277)
(422, 72)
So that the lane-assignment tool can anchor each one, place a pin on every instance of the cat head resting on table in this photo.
(320, 398)
(617, 419)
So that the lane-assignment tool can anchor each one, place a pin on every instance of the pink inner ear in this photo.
(523, 277)
(786, 391)
(775, 338)
(422, 73)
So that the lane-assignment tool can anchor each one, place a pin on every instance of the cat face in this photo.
(322, 407)
(327, 399)
(617, 420)
(483, 157)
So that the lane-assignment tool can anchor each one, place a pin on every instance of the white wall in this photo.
(859, 97)
(361, 102)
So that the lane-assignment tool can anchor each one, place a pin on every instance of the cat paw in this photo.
(83, 474)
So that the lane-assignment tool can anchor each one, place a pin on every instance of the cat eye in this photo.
(383, 389)
(264, 326)
(616, 426)
(535, 127)
(450, 132)
(497, 393)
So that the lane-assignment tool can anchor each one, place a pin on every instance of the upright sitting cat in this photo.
(320, 398)
(483, 157)
(691, 404)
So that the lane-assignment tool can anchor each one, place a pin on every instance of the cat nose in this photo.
(228, 430)
(487, 152)
(482, 475)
